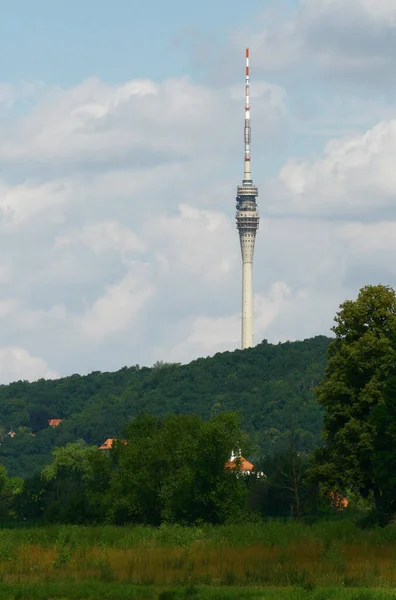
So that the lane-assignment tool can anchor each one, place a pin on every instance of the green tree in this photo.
(9, 490)
(383, 420)
(76, 482)
(362, 358)
(172, 469)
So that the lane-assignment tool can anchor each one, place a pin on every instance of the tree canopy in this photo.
(358, 395)
(266, 385)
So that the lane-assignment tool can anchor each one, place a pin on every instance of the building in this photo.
(247, 219)
(237, 461)
(54, 422)
(108, 444)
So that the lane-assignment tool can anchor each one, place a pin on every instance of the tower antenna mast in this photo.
(247, 219)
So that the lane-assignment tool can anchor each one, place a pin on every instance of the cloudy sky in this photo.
(120, 150)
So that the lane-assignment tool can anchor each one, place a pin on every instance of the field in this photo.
(267, 560)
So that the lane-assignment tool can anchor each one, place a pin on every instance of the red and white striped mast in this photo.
(247, 174)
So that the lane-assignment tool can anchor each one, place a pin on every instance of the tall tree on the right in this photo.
(359, 399)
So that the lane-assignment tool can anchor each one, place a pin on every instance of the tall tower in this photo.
(247, 219)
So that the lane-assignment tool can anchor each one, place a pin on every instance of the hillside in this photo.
(271, 385)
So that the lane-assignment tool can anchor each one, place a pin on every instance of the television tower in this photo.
(247, 219)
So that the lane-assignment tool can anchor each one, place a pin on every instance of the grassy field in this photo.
(92, 591)
(323, 561)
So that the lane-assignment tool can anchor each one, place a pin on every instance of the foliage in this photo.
(357, 399)
(9, 489)
(266, 384)
(172, 470)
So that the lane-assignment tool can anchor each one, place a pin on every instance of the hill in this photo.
(271, 385)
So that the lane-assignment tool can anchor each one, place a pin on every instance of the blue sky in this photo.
(121, 145)
(64, 41)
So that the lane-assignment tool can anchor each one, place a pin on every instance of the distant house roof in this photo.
(244, 464)
(54, 422)
(338, 501)
(107, 444)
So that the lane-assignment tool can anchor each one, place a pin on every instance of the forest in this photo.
(270, 386)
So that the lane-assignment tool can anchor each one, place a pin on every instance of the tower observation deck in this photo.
(247, 220)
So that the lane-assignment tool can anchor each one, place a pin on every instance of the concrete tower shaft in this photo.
(247, 219)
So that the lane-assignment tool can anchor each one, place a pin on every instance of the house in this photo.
(12, 433)
(245, 467)
(54, 422)
(108, 444)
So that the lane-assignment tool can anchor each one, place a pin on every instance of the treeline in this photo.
(268, 385)
(163, 470)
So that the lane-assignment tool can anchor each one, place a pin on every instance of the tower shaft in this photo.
(247, 219)
(247, 305)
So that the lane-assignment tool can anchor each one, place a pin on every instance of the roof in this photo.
(338, 501)
(244, 464)
(54, 422)
(107, 444)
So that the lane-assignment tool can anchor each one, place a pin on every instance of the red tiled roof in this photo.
(54, 422)
(244, 464)
(107, 444)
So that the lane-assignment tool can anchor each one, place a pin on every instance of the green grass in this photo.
(97, 591)
(268, 533)
(297, 560)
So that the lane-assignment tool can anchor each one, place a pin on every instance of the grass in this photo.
(96, 591)
(298, 560)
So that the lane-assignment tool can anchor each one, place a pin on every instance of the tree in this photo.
(172, 469)
(285, 470)
(9, 489)
(362, 359)
(38, 419)
(383, 419)
(76, 482)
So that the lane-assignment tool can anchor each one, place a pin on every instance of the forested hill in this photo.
(271, 385)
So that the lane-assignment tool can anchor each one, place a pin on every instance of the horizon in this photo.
(121, 152)
(163, 364)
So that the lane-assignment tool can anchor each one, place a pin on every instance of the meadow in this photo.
(264, 560)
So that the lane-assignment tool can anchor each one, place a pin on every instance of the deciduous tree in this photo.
(362, 359)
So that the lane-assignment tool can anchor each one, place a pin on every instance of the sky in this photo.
(121, 146)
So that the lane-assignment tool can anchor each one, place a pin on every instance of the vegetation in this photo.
(113, 591)
(358, 393)
(191, 527)
(267, 554)
(268, 385)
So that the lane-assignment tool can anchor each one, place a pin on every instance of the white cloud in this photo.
(209, 335)
(353, 40)
(138, 123)
(117, 309)
(103, 236)
(24, 202)
(354, 176)
(17, 364)
(194, 241)
(7, 307)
